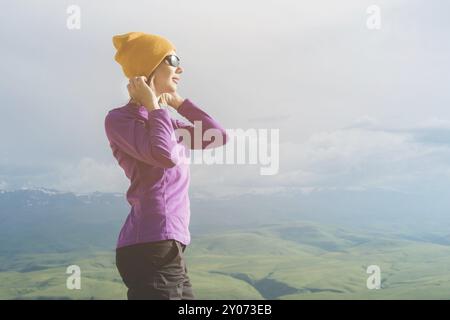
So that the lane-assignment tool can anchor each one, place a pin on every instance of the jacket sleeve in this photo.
(154, 144)
(193, 113)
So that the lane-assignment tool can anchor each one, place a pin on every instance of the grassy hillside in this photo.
(278, 261)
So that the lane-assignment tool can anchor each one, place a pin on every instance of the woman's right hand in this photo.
(143, 93)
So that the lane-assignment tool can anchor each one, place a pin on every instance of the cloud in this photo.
(355, 157)
(364, 155)
(84, 176)
(3, 185)
(88, 175)
(347, 100)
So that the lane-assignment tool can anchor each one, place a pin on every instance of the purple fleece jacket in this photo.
(144, 144)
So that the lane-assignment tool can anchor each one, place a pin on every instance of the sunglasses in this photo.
(172, 60)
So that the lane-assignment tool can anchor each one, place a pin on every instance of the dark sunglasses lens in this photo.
(173, 60)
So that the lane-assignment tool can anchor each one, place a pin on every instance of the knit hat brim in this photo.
(139, 53)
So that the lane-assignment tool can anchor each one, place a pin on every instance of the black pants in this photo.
(155, 271)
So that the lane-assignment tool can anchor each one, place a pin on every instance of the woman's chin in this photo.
(172, 88)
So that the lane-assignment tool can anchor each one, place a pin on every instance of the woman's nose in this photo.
(179, 70)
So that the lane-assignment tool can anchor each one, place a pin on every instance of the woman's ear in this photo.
(149, 78)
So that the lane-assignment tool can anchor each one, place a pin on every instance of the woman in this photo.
(142, 136)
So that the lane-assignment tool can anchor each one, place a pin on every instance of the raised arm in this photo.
(193, 113)
(155, 144)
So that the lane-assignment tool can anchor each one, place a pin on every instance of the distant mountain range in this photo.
(46, 220)
(279, 246)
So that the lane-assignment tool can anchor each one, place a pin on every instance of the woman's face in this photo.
(166, 77)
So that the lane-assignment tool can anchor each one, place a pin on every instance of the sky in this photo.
(356, 108)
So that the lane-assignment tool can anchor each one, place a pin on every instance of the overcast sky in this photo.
(357, 108)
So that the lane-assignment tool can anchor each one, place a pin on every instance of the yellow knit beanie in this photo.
(139, 53)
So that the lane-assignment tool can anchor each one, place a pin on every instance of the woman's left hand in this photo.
(171, 99)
